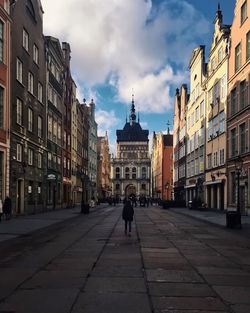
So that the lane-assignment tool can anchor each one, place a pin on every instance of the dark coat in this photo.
(7, 206)
(128, 212)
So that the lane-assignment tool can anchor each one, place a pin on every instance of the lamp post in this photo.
(166, 188)
(238, 169)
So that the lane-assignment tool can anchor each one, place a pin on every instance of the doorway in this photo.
(20, 197)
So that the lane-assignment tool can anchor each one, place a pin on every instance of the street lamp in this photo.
(166, 188)
(238, 170)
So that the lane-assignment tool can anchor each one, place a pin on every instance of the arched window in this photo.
(127, 173)
(117, 173)
(134, 173)
(143, 173)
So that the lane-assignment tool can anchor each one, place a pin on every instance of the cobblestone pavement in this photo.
(171, 264)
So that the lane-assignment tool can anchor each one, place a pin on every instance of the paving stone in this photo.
(187, 311)
(241, 308)
(234, 294)
(211, 270)
(56, 280)
(117, 271)
(180, 289)
(192, 303)
(228, 280)
(40, 301)
(112, 303)
(111, 284)
(161, 275)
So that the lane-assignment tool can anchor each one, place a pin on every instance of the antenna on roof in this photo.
(168, 124)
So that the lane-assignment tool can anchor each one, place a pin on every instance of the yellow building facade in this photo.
(216, 112)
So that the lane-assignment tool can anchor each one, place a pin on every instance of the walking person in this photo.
(127, 215)
(7, 208)
(1, 209)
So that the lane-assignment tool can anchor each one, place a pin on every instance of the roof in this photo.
(132, 132)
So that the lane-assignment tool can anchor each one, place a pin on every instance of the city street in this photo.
(86, 264)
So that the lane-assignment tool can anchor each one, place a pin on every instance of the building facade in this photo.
(196, 124)
(131, 167)
(68, 100)
(92, 152)
(103, 168)
(55, 85)
(28, 108)
(238, 111)
(216, 110)
(179, 143)
(162, 166)
(5, 39)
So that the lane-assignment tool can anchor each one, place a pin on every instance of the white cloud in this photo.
(106, 120)
(128, 42)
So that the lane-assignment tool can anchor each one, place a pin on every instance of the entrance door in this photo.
(20, 196)
(222, 196)
(130, 191)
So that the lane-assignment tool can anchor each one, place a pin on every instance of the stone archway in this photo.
(130, 191)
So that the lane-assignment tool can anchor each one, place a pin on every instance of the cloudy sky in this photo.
(120, 47)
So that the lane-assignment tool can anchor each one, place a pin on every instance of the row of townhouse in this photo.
(211, 139)
(44, 129)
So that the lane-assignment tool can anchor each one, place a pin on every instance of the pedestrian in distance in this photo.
(128, 215)
(7, 208)
(1, 209)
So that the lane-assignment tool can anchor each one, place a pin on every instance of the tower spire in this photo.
(132, 111)
(219, 15)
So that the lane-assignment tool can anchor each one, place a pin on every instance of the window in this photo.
(40, 127)
(127, 172)
(1, 107)
(54, 131)
(197, 166)
(30, 120)
(30, 156)
(222, 157)
(233, 142)
(197, 114)
(19, 70)
(143, 186)
(117, 187)
(210, 97)
(25, 40)
(233, 101)
(243, 12)
(19, 152)
(30, 82)
(237, 57)
(39, 160)
(35, 54)
(216, 126)
(222, 122)
(50, 123)
(215, 159)
(49, 160)
(242, 138)
(213, 64)
(220, 55)
(59, 132)
(209, 160)
(242, 94)
(19, 111)
(248, 46)
(1, 40)
(134, 173)
(216, 93)
(223, 87)
(40, 92)
(117, 171)
(202, 108)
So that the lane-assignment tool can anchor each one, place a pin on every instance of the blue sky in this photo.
(134, 46)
